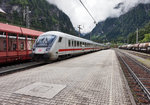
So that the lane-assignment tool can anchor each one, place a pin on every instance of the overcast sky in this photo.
(100, 9)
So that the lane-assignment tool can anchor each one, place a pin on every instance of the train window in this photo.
(80, 44)
(45, 40)
(74, 43)
(77, 43)
(4, 45)
(69, 43)
(84, 43)
(30, 44)
(14, 47)
(22, 46)
(60, 39)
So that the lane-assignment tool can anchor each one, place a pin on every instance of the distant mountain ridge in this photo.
(43, 16)
(117, 29)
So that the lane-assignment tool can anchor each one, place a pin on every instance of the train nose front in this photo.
(40, 54)
(40, 51)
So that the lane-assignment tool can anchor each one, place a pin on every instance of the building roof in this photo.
(19, 30)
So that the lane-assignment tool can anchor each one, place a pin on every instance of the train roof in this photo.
(19, 30)
(70, 36)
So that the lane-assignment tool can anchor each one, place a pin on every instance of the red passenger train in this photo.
(16, 43)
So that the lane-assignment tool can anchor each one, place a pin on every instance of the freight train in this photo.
(55, 45)
(16, 43)
(143, 47)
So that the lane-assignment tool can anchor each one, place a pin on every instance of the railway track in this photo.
(138, 77)
(140, 54)
(13, 68)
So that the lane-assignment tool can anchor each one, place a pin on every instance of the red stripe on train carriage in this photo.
(62, 50)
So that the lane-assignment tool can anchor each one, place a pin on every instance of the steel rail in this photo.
(135, 61)
(145, 90)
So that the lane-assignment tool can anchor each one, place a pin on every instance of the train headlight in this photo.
(33, 49)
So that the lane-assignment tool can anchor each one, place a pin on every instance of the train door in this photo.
(61, 46)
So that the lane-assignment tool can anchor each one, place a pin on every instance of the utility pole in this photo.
(90, 35)
(26, 17)
(24, 14)
(79, 29)
(137, 35)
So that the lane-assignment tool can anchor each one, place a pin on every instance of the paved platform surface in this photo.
(92, 79)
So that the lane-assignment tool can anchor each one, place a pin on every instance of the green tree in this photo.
(146, 38)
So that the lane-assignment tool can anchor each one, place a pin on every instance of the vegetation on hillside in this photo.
(143, 33)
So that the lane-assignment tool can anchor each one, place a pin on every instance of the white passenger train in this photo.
(55, 45)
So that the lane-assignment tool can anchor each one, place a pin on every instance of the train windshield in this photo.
(45, 40)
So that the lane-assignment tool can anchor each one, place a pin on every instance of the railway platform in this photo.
(92, 79)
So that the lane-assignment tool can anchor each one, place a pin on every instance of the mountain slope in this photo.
(117, 29)
(43, 16)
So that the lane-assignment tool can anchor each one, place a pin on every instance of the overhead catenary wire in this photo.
(88, 11)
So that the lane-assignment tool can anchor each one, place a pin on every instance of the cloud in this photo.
(100, 10)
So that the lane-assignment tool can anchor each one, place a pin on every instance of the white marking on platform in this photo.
(42, 90)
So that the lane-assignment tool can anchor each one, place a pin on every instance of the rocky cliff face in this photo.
(42, 15)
